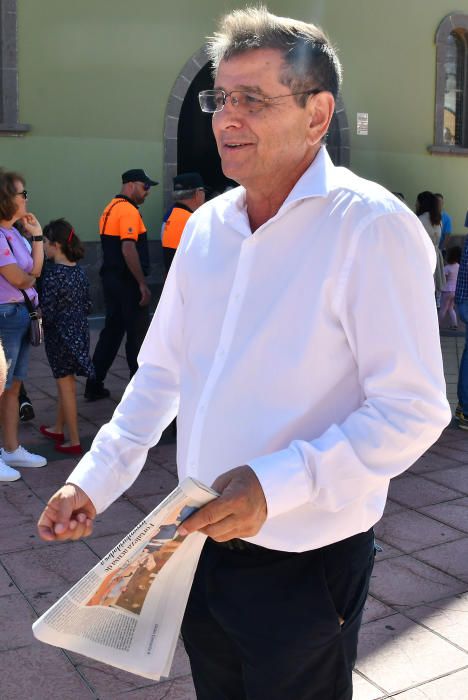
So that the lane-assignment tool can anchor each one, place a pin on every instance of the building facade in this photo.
(90, 89)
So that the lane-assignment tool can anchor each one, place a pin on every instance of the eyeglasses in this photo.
(214, 100)
(23, 194)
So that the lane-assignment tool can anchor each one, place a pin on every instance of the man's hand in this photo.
(145, 294)
(68, 515)
(31, 224)
(240, 510)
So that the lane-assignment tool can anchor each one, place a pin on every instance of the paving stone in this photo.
(46, 568)
(7, 585)
(451, 557)
(122, 682)
(374, 610)
(411, 531)
(454, 513)
(396, 653)
(447, 617)
(155, 482)
(18, 503)
(454, 478)
(451, 687)
(52, 475)
(392, 507)
(40, 672)
(364, 690)
(179, 689)
(429, 463)
(387, 551)
(415, 491)
(22, 536)
(120, 517)
(405, 582)
(18, 625)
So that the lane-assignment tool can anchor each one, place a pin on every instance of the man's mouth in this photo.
(235, 145)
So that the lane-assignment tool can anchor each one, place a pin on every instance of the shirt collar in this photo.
(317, 181)
(127, 199)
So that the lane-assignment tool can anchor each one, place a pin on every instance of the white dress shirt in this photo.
(308, 350)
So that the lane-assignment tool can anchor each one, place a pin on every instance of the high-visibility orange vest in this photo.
(174, 226)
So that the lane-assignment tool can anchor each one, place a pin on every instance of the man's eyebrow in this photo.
(244, 88)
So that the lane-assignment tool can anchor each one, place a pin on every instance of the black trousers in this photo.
(124, 316)
(268, 625)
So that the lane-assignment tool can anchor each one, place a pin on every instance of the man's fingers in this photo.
(210, 514)
(226, 529)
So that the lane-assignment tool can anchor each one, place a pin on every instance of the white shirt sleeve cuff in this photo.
(284, 480)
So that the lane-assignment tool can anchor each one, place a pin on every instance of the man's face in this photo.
(261, 149)
(140, 192)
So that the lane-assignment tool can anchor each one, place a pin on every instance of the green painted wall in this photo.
(95, 78)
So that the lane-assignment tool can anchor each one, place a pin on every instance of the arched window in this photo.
(451, 112)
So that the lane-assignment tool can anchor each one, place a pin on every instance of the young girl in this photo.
(447, 302)
(65, 304)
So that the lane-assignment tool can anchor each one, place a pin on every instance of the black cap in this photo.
(137, 175)
(188, 181)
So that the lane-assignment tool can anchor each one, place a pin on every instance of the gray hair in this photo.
(310, 59)
(184, 194)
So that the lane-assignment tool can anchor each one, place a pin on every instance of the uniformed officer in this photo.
(125, 263)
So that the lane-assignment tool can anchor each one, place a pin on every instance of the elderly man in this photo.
(125, 264)
(286, 343)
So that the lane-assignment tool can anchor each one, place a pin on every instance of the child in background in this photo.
(447, 302)
(65, 304)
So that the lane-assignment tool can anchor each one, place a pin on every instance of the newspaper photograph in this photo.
(127, 610)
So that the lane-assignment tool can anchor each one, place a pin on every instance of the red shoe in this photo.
(69, 449)
(58, 437)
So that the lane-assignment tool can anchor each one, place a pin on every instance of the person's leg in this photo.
(444, 305)
(67, 393)
(281, 616)
(113, 332)
(9, 416)
(452, 313)
(462, 388)
(136, 320)
(214, 659)
(26, 410)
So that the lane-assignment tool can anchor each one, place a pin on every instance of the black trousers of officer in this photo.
(268, 625)
(124, 316)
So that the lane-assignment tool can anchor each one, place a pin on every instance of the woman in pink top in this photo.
(447, 302)
(19, 269)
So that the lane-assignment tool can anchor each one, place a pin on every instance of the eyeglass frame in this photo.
(262, 98)
(24, 194)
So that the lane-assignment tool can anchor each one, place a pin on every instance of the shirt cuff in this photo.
(284, 479)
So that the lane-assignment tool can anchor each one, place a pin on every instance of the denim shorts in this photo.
(14, 334)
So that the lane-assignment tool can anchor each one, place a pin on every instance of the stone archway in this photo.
(338, 141)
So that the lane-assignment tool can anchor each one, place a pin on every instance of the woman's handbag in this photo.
(36, 332)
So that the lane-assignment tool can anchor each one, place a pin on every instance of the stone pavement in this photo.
(414, 641)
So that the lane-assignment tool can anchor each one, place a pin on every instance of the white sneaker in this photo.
(7, 473)
(22, 458)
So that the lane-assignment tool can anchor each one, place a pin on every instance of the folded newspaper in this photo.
(128, 609)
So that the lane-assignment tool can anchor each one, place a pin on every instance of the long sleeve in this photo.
(148, 405)
(385, 304)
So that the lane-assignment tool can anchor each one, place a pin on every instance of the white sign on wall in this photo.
(362, 122)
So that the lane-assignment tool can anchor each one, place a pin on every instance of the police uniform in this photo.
(120, 221)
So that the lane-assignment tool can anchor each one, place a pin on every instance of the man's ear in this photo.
(320, 109)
